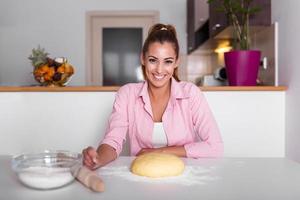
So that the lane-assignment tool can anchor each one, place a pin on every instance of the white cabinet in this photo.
(251, 122)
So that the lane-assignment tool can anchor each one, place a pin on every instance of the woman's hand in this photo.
(148, 150)
(178, 151)
(90, 158)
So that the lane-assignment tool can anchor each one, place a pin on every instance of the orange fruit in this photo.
(38, 72)
(61, 69)
(51, 71)
(47, 77)
(44, 68)
(69, 69)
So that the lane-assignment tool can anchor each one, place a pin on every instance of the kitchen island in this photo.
(251, 119)
(226, 178)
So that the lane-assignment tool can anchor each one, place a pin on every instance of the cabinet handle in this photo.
(200, 21)
(217, 26)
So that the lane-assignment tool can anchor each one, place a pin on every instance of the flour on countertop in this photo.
(192, 175)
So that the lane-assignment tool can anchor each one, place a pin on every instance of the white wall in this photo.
(59, 26)
(287, 14)
(251, 123)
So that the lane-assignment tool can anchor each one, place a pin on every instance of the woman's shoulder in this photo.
(189, 88)
(131, 89)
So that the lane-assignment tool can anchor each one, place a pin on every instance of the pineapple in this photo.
(38, 57)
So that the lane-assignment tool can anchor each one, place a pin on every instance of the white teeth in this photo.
(159, 77)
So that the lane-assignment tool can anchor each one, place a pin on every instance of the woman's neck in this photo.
(159, 93)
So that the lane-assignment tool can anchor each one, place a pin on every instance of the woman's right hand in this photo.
(90, 158)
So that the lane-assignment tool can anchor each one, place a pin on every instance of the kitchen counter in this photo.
(227, 178)
(52, 118)
(115, 88)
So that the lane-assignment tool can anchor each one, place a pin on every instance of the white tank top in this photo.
(159, 138)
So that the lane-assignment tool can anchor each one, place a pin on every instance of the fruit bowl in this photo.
(48, 71)
(57, 74)
(45, 170)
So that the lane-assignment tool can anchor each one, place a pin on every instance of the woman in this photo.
(160, 114)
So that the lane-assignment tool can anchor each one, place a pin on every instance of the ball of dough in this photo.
(156, 165)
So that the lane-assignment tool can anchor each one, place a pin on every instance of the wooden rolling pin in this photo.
(88, 178)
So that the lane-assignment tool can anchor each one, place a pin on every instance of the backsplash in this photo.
(201, 64)
(205, 61)
(266, 42)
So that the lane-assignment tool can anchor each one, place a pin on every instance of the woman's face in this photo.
(160, 62)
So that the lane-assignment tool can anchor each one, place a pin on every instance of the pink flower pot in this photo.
(242, 67)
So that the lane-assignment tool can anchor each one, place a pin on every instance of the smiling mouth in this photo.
(159, 77)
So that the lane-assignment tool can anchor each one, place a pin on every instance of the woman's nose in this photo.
(159, 67)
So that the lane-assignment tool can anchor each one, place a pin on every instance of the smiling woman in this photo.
(188, 126)
(164, 39)
(159, 64)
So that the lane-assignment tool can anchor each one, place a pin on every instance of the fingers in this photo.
(92, 154)
(147, 150)
(90, 157)
(142, 151)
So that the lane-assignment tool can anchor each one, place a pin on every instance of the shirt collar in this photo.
(177, 91)
(144, 92)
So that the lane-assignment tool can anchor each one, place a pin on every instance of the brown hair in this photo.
(162, 33)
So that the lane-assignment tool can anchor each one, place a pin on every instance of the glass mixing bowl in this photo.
(46, 170)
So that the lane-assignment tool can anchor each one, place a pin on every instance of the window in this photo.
(121, 55)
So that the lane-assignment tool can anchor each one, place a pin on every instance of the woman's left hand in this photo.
(178, 151)
(148, 150)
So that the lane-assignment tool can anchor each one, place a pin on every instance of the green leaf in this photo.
(220, 9)
(254, 10)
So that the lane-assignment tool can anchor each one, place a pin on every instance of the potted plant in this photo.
(241, 63)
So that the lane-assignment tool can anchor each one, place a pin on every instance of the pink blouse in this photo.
(187, 120)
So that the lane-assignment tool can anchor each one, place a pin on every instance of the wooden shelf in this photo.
(115, 88)
(243, 88)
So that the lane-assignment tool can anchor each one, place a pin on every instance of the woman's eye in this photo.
(169, 62)
(152, 60)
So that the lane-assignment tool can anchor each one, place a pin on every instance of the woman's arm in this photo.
(115, 135)
(210, 144)
(97, 158)
(117, 128)
(106, 154)
(178, 151)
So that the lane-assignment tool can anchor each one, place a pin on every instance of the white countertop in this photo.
(232, 178)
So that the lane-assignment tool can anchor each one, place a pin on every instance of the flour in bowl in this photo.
(45, 177)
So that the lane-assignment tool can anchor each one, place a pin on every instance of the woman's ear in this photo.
(142, 59)
(177, 62)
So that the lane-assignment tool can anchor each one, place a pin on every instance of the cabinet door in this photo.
(197, 23)
(218, 20)
(190, 25)
(201, 13)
